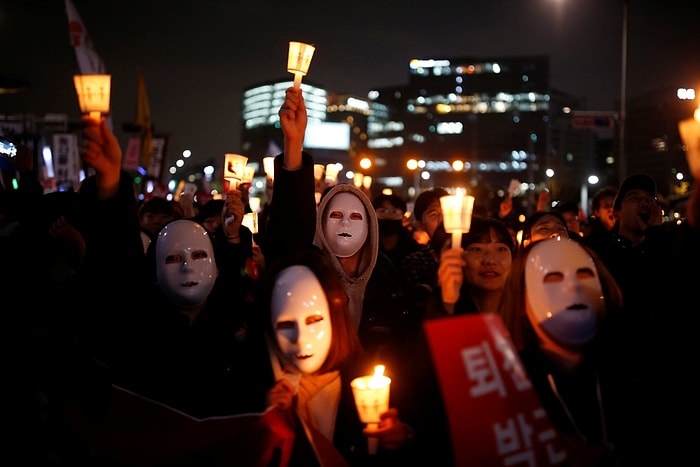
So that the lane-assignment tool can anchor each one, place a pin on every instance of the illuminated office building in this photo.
(472, 122)
(336, 122)
(479, 123)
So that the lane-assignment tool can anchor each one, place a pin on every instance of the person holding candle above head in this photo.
(345, 223)
(178, 334)
(289, 219)
(344, 228)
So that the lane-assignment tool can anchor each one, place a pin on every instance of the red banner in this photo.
(494, 414)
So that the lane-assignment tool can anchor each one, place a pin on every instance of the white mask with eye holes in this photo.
(185, 265)
(564, 296)
(345, 224)
(301, 318)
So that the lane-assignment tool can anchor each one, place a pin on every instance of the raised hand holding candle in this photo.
(457, 214)
(371, 395)
(93, 94)
(234, 169)
(299, 59)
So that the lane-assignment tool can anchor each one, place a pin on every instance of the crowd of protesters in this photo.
(156, 333)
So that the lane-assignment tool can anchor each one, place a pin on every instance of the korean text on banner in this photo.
(495, 417)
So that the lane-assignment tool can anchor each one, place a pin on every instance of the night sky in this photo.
(198, 56)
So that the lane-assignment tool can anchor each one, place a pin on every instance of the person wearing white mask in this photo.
(347, 231)
(560, 306)
(185, 265)
(315, 352)
(344, 227)
(177, 332)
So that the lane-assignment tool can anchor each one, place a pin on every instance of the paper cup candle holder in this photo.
(371, 395)
(457, 214)
(234, 169)
(298, 60)
(93, 94)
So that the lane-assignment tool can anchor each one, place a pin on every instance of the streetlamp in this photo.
(590, 181)
(622, 163)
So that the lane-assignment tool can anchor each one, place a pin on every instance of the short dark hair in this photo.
(425, 199)
(393, 199)
(605, 192)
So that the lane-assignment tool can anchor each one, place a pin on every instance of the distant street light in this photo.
(412, 165)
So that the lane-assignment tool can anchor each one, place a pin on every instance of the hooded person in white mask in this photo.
(347, 231)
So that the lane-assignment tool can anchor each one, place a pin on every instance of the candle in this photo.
(234, 169)
(371, 395)
(298, 60)
(250, 220)
(457, 214)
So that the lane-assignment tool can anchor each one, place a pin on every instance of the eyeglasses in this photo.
(395, 212)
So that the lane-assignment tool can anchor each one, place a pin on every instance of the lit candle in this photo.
(298, 60)
(234, 169)
(254, 203)
(371, 395)
(250, 220)
(457, 214)
(93, 94)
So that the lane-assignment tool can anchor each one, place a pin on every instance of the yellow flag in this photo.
(143, 120)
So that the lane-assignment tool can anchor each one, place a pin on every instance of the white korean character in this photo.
(482, 368)
(514, 441)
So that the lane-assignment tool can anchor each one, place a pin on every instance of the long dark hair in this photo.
(512, 308)
(345, 342)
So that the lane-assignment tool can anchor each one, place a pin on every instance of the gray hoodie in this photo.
(354, 286)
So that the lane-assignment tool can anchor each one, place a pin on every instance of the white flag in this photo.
(89, 61)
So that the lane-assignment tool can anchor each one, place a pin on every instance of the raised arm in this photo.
(102, 152)
(293, 119)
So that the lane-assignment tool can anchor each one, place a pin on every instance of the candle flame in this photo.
(377, 380)
(379, 370)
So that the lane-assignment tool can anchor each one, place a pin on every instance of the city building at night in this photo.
(472, 122)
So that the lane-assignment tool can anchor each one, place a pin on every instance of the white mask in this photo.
(301, 318)
(564, 295)
(345, 224)
(185, 265)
